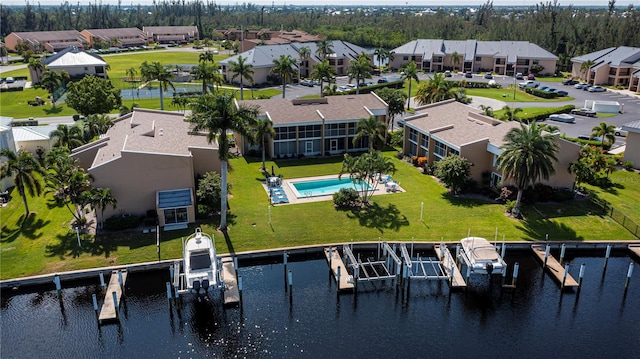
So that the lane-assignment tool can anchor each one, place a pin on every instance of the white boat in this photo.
(200, 263)
(481, 256)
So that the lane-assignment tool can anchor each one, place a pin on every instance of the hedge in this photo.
(539, 93)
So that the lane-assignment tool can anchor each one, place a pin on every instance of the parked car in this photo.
(383, 81)
(488, 76)
(562, 93)
(580, 85)
(468, 74)
(306, 83)
(596, 89)
(562, 117)
(447, 73)
(589, 138)
(531, 77)
(519, 76)
(10, 80)
(586, 87)
(569, 82)
(550, 89)
(528, 83)
(543, 88)
(583, 112)
(620, 132)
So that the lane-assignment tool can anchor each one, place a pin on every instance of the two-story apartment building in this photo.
(168, 34)
(50, 41)
(119, 37)
(612, 66)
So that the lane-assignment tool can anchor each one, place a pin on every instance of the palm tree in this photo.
(304, 52)
(372, 129)
(204, 72)
(604, 131)
(322, 71)
(131, 73)
(67, 136)
(164, 76)
(381, 54)
(242, 69)
(36, 68)
(434, 90)
(510, 114)
(359, 69)
(456, 58)
(262, 129)
(527, 157)
(216, 114)
(283, 66)
(585, 67)
(23, 167)
(410, 73)
(101, 198)
(487, 110)
(51, 81)
(395, 100)
(324, 48)
(206, 56)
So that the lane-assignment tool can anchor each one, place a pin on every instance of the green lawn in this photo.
(506, 95)
(45, 244)
(624, 195)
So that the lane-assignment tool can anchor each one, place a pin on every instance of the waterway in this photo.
(426, 321)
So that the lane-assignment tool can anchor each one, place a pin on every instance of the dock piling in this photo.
(457, 253)
(503, 249)
(562, 251)
(564, 277)
(116, 305)
(546, 255)
(56, 281)
(121, 281)
(94, 299)
(290, 283)
(169, 291)
(504, 274)
(240, 288)
(606, 256)
(581, 275)
(516, 267)
(102, 283)
(629, 274)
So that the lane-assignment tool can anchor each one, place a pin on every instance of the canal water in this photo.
(535, 320)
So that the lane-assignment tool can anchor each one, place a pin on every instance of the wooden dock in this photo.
(554, 267)
(108, 311)
(336, 262)
(635, 249)
(231, 292)
(447, 262)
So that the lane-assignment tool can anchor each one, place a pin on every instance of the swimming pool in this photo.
(324, 187)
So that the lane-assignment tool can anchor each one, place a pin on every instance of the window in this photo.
(175, 215)
(413, 135)
(496, 161)
(441, 149)
(453, 152)
(405, 58)
(496, 180)
(310, 131)
(478, 58)
(424, 145)
(335, 129)
(285, 133)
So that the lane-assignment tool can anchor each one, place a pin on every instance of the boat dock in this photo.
(231, 292)
(635, 249)
(109, 310)
(554, 267)
(448, 264)
(334, 260)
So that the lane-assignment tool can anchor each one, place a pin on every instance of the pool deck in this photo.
(287, 187)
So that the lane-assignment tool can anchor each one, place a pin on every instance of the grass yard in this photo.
(624, 195)
(506, 95)
(46, 244)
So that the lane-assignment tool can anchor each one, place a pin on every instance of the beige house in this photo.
(449, 127)
(76, 62)
(150, 159)
(316, 127)
(168, 34)
(612, 66)
(51, 41)
(632, 150)
(499, 57)
(119, 37)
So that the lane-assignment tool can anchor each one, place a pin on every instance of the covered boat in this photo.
(481, 256)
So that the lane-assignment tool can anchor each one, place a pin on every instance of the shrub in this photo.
(508, 193)
(414, 160)
(117, 223)
(628, 165)
(541, 116)
(345, 198)
(399, 155)
(510, 205)
(422, 161)
(563, 194)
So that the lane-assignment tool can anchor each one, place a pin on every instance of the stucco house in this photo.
(168, 34)
(612, 66)
(119, 37)
(449, 127)
(150, 160)
(632, 150)
(76, 62)
(499, 57)
(315, 127)
(51, 41)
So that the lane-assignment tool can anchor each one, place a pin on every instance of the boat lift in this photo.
(422, 268)
(372, 270)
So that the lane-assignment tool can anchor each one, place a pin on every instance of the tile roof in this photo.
(170, 29)
(107, 34)
(459, 124)
(470, 48)
(331, 108)
(149, 131)
(49, 36)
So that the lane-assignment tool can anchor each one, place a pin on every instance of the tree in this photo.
(209, 190)
(205, 72)
(436, 89)
(70, 185)
(365, 170)
(324, 48)
(69, 137)
(36, 69)
(373, 130)
(207, 56)
(263, 128)
(359, 69)
(381, 54)
(131, 73)
(25, 170)
(215, 114)
(93, 95)
(101, 198)
(453, 171)
(456, 58)
(395, 100)
(527, 157)
(51, 81)
(163, 76)
(487, 110)
(410, 73)
(605, 132)
(243, 70)
(304, 52)
(510, 114)
(322, 71)
(283, 66)
(585, 67)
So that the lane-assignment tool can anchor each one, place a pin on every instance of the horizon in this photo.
(345, 3)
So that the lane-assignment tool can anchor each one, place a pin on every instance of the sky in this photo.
(620, 3)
